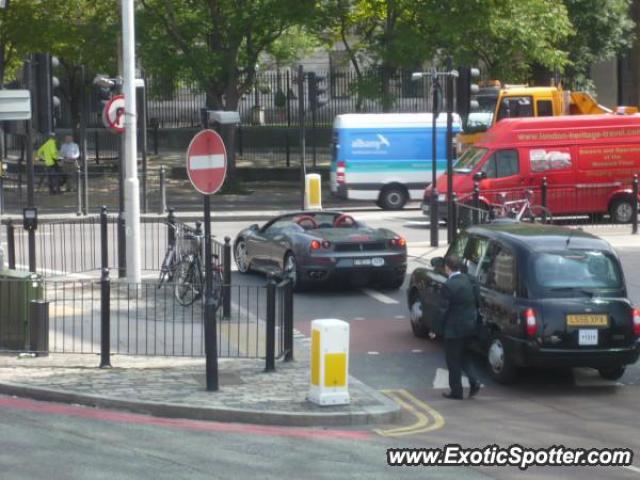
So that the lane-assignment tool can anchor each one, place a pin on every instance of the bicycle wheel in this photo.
(188, 284)
(537, 214)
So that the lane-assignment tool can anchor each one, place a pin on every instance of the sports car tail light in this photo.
(341, 169)
(315, 245)
(398, 242)
(636, 322)
(531, 324)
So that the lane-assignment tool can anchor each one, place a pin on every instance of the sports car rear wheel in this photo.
(291, 271)
(242, 259)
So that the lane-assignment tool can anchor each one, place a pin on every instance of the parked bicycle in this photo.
(183, 266)
(521, 210)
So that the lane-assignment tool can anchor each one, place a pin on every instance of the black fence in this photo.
(612, 205)
(146, 319)
(83, 246)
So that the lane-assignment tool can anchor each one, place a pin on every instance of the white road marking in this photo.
(632, 468)
(358, 318)
(381, 297)
(373, 353)
(441, 380)
(399, 317)
(416, 350)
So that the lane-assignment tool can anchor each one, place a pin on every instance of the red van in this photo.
(588, 161)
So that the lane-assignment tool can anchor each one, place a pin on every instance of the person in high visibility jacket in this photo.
(48, 153)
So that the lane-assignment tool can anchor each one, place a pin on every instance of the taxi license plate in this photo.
(366, 262)
(587, 320)
(588, 336)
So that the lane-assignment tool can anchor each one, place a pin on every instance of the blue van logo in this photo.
(381, 142)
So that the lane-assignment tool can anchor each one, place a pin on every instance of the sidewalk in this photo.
(176, 388)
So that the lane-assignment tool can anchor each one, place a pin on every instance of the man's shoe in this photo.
(474, 389)
(451, 396)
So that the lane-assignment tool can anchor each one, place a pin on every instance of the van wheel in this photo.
(501, 364)
(611, 373)
(393, 197)
(621, 210)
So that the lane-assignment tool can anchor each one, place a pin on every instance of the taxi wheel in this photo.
(416, 316)
(501, 364)
(613, 373)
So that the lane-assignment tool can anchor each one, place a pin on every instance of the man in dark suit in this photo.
(459, 309)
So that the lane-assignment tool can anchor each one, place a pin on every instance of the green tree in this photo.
(218, 43)
(602, 30)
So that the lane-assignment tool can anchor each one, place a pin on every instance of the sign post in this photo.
(207, 168)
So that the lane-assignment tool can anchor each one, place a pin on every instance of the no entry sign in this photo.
(207, 162)
(113, 114)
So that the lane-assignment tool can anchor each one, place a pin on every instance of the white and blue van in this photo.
(386, 157)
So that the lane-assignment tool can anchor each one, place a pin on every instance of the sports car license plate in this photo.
(587, 320)
(365, 262)
(588, 336)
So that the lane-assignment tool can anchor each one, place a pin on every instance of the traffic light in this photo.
(316, 90)
(466, 90)
(47, 104)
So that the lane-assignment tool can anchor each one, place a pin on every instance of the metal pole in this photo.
(105, 320)
(476, 202)
(1, 193)
(303, 167)
(79, 189)
(132, 185)
(634, 203)
(171, 232)
(145, 144)
(163, 192)
(11, 245)
(433, 218)
(84, 156)
(122, 246)
(270, 363)
(104, 239)
(449, 138)
(226, 287)
(29, 139)
(210, 327)
(288, 321)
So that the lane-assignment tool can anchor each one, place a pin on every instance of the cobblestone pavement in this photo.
(180, 382)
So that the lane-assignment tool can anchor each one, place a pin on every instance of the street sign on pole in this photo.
(207, 162)
(15, 105)
(207, 168)
(113, 114)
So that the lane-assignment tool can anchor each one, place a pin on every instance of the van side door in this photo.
(503, 176)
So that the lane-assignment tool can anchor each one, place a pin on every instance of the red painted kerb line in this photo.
(204, 426)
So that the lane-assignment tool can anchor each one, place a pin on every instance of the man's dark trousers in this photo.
(458, 358)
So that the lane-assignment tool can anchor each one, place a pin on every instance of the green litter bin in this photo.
(17, 290)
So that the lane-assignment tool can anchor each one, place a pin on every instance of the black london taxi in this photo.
(550, 297)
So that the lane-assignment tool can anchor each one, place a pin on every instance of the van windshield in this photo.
(469, 160)
(577, 271)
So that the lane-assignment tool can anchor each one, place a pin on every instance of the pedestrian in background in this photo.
(70, 153)
(459, 310)
(48, 153)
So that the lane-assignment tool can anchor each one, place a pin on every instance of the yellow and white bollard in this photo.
(329, 362)
(313, 192)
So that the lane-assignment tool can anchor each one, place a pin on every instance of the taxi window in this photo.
(459, 246)
(476, 248)
(499, 271)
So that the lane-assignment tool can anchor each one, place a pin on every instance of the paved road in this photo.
(546, 407)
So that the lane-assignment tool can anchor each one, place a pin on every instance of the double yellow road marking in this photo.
(427, 419)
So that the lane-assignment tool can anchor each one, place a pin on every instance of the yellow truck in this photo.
(496, 101)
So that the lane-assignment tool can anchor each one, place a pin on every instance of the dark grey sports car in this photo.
(315, 247)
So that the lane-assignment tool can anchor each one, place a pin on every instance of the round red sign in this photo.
(207, 162)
